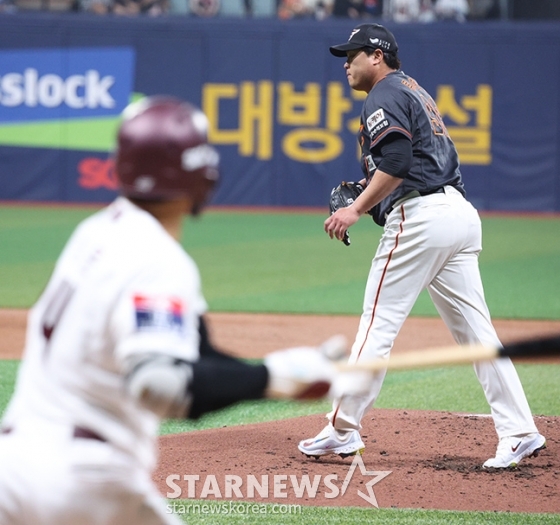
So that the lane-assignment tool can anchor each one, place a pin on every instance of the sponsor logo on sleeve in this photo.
(375, 118)
(373, 132)
(376, 122)
(370, 164)
(158, 314)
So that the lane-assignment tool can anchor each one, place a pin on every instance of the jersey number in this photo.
(438, 127)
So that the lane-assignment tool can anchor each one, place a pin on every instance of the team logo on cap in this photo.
(354, 32)
(381, 43)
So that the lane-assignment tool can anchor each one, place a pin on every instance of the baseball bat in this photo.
(460, 354)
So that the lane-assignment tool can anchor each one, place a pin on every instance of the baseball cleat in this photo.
(512, 449)
(329, 441)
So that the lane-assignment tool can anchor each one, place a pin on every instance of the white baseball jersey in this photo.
(122, 286)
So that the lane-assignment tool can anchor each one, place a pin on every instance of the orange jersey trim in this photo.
(392, 128)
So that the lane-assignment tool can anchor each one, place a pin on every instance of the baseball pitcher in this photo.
(413, 188)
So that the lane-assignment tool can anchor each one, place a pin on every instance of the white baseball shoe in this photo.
(329, 441)
(512, 449)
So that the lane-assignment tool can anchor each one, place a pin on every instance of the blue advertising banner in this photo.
(49, 84)
(281, 113)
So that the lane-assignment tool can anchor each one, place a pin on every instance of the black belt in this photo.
(431, 192)
(413, 194)
(79, 433)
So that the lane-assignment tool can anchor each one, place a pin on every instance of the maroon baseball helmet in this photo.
(163, 152)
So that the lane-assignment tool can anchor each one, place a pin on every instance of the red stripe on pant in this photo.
(377, 297)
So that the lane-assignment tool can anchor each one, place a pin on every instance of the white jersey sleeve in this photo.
(158, 313)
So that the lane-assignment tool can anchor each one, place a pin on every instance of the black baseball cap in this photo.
(374, 36)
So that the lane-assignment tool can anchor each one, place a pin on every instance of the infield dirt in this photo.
(435, 457)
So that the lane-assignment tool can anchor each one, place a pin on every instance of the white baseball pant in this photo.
(432, 242)
(53, 479)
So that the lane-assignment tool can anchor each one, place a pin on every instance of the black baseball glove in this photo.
(341, 197)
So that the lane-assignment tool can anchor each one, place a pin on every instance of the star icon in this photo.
(378, 476)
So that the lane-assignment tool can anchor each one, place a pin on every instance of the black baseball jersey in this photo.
(397, 104)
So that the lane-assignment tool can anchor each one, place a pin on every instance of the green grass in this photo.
(278, 262)
(453, 389)
(31, 240)
(521, 259)
(8, 371)
(456, 389)
(520, 266)
(294, 267)
(205, 512)
(283, 262)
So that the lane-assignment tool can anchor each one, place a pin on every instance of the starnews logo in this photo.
(275, 486)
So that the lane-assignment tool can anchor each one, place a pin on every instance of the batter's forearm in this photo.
(176, 388)
(217, 384)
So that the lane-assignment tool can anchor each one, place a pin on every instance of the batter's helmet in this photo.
(163, 152)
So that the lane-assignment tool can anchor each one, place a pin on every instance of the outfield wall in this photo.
(280, 110)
